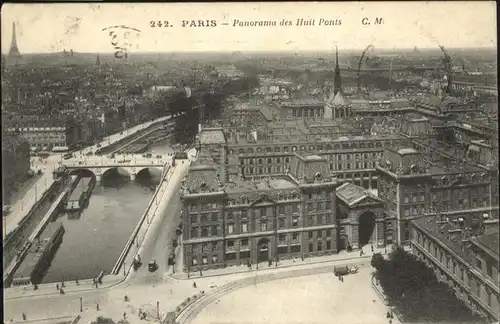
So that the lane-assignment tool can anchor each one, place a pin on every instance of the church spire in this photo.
(14, 51)
(97, 61)
(337, 82)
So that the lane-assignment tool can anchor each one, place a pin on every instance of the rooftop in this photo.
(212, 136)
(351, 194)
(441, 232)
(242, 186)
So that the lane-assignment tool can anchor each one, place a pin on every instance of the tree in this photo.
(377, 261)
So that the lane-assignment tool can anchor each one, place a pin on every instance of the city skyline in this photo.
(406, 25)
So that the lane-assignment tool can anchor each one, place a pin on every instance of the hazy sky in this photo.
(43, 28)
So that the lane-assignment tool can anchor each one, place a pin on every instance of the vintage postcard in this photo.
(250, 163)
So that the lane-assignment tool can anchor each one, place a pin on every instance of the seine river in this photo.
(94, 240)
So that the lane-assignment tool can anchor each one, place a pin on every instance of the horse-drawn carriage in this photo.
(345, 270)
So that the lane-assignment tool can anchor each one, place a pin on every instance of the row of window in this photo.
(460, 193)
(461, 204)
(252, 161)
(415, 197)
(319, 147)
(242, 228)
(461, 274)
(352, 166)
(307, 112)
(356, 156)
(52, 142)
(446, 259)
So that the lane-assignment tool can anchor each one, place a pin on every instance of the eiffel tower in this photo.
(14, 51)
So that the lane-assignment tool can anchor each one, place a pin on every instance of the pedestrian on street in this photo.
(24, 316)
(361, 253)
(194, 284)
(201, 273)
(77, 282)
(373, 250)
(57, 286)
(97, 306)
(124, 315)
(62, 284)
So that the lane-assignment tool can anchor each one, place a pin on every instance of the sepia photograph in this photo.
(250, 163)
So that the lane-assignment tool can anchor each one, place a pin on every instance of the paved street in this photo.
(158, 243)
(21, 207)
(319, 298)
(144, 289)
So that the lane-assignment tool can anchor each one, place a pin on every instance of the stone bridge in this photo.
(133, 166)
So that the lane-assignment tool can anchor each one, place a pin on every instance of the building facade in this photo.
(45, 134)
(463, 253)
(412, 188)
(253, 221)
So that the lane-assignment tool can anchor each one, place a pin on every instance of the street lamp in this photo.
(81, 304)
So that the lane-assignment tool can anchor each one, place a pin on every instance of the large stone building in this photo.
(411, 187)
(250, 220)
(423, 163)
(47, 133)
(463, 253)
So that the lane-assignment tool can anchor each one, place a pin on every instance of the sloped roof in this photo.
(267, 112)
(309, 168)
(351, 194)
(202, 178)
(339, 100)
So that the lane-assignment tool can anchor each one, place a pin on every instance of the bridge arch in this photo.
(122, 171)
(82, 172)
(143, 172)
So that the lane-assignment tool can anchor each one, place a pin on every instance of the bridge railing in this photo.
(135, 233)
